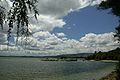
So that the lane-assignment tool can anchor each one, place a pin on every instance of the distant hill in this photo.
(41, 55)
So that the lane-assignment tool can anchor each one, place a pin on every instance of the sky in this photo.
(66, 26)
(88, 20)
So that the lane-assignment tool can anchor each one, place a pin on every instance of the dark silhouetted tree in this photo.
(2, 16)
(113, 4)
(18, 16)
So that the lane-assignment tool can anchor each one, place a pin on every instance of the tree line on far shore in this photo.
(110, 55)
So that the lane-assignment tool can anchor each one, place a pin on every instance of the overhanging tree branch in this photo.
(18, 15)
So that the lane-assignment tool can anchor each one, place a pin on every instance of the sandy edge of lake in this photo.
(111, 61)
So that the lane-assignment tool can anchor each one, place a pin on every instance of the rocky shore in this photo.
(111, 76)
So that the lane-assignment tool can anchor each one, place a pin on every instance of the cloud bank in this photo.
(45, 41)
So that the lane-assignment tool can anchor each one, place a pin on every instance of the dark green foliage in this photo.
(110, 55)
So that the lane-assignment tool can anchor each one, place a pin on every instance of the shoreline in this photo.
(111, 76)
(56, 58)
(113, 61)
(107, 61)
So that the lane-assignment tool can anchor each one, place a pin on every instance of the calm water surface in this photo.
(34, 69)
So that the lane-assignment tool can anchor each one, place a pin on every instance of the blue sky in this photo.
(88, 20)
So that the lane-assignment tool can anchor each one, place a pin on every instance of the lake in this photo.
(18, 68)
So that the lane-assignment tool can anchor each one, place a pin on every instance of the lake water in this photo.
(35, 69)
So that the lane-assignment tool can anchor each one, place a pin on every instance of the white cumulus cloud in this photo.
(61, 35)
(46, 23)
(103, 42)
